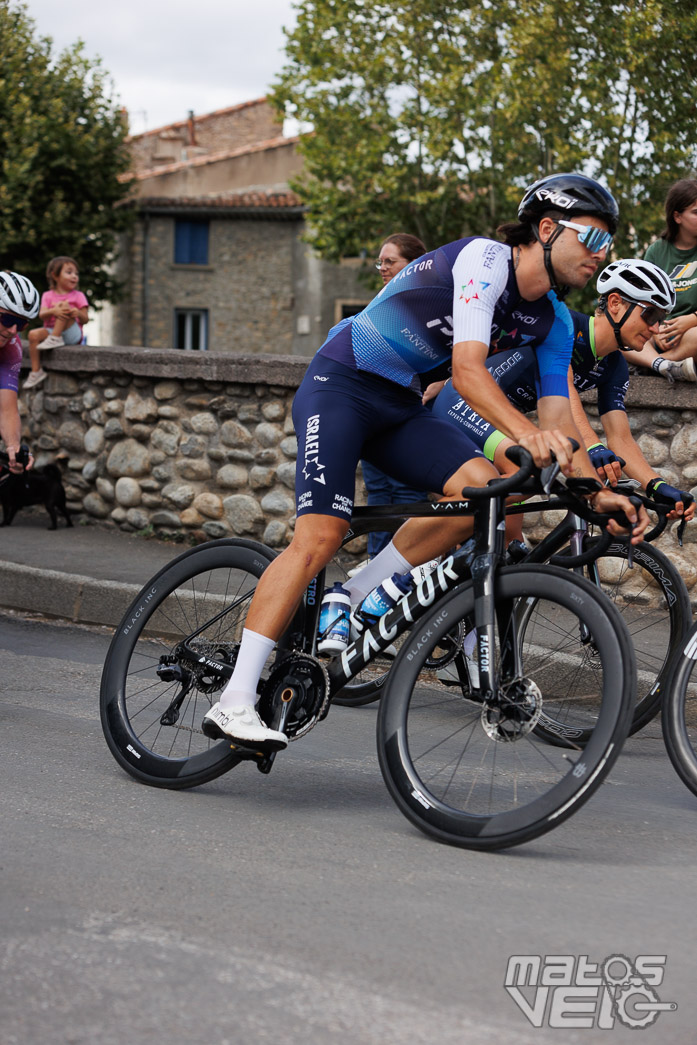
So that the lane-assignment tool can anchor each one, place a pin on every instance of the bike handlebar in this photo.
(526, 470)
(500, 487)
(545, 478)
(594, 550)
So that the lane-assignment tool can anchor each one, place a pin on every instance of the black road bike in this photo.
(645, 586)
(469, 765)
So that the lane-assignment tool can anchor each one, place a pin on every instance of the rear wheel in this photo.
(474, 772)
(153, 693)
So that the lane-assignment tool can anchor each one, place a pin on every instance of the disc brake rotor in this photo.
(515, 713)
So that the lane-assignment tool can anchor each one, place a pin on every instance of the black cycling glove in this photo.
(601, 455)
(663, 493)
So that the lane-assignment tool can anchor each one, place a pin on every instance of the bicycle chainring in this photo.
(302, 681)
(447, 649)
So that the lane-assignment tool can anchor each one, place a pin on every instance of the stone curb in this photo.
(68, 596)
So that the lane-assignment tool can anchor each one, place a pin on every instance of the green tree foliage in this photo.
(430, 116)
(61, 151)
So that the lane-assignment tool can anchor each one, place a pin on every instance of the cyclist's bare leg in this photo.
(420, 540)
(316, 540)
(514, 523)
(280, 588)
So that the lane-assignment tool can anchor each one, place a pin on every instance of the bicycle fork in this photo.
(490, 525)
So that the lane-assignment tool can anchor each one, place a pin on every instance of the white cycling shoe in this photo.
(243, 726)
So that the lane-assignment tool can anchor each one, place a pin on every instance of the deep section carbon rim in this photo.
(153, 694)
(477, 774)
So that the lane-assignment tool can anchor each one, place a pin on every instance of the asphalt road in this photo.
(301, 906)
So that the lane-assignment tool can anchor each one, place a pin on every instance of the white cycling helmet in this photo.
(637, 281)
(18, 295)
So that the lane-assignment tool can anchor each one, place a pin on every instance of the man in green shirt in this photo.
(672, 353)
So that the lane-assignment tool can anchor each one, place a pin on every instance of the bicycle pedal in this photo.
(247, 752)
(264, 760)
(265, 764)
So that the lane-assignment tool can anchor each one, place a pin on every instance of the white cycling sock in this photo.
(241, 689)
(469, 643)
(385, 563)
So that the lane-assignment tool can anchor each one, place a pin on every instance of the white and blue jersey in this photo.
(361, 395)
(464, 291)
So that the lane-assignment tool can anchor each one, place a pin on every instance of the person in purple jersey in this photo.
(19, 302)
(361, 397)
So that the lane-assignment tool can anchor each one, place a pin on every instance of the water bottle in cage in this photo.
(381, 599)
(334, 620)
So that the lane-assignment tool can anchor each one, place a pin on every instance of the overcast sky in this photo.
(167, 58)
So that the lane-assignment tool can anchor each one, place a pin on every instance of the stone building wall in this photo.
(200, 447)
(235, 126)
(246, 287)
(264, 288)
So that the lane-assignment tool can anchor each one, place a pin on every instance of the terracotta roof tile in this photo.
(280, 200)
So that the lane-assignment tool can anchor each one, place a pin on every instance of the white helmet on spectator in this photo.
(637, 281)
(18, 295)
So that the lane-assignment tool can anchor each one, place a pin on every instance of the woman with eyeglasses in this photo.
(673, 349)
(19, 303)
(395, 254)
(634, 298)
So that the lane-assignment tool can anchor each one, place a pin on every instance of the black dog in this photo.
(37, 486)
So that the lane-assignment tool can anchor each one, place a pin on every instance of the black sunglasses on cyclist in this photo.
(8, 321)
(653, 314)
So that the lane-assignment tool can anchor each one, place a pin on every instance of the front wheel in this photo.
(153, 693)
(474, 772)
(680, 712)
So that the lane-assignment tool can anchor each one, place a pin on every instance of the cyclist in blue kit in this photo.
(361, 398)
(634, 299)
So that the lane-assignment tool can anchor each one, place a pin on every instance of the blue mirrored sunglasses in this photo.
(9, 321)
(592, 238)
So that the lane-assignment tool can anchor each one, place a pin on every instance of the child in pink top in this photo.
(63, 312)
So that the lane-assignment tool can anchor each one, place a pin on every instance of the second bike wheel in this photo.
(152, 696)
(680, 712)
(655, 604)
(474, 773)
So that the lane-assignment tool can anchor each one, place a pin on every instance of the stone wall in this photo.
(236, 126)
(202, 445)
(185, 445)
(263, 288)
